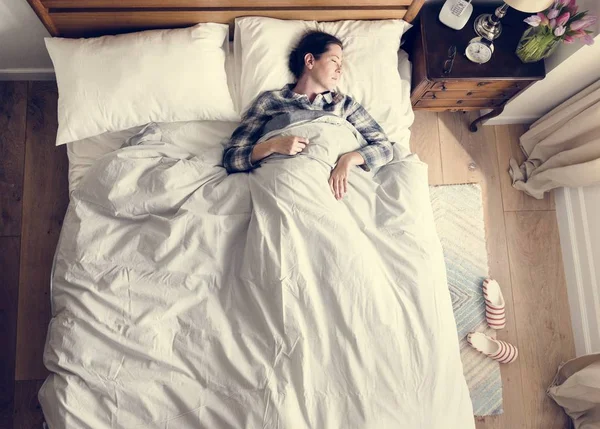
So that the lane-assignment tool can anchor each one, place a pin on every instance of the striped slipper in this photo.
(495, 308)
(498, 350)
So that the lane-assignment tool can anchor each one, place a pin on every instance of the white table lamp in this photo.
(488, 25)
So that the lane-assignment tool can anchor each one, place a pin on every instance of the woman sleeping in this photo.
(316, 62)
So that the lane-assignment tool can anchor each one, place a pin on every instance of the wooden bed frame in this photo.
(88, 18)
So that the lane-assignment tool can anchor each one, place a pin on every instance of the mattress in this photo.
(83, 153)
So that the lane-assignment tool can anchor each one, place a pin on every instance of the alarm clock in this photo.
(479, 50)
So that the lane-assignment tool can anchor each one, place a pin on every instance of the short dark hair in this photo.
(313, 42)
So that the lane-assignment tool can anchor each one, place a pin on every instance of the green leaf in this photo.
(577, 16)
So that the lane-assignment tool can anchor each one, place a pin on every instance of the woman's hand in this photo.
(288, 145)
(285, 145)
(338, 181)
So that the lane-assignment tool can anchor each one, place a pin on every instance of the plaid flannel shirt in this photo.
(237, 155)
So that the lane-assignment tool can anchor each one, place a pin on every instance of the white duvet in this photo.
(187, 298)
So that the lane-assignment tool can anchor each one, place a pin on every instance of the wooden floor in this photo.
(524, 256)
(523, 247)
(33, 201)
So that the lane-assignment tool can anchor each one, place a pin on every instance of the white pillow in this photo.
(113, 83)
(266, 44)
(370, 66)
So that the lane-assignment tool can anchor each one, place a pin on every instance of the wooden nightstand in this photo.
(468, 86)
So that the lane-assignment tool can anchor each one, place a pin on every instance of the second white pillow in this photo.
(113, 83)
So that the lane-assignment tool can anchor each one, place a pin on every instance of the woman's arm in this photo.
(243, 153)
(379, 148)
(377, 152)
(261, 151)
(238, 153)
(286, 145)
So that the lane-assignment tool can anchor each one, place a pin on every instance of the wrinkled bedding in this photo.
(184, 297)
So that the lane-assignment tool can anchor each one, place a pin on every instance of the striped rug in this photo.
(458, 213)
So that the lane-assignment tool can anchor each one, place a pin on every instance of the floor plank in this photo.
(541, 310)
(424, 140)
(28, 412)
(9, 290)
(13, 108)
(45, 198)
(507, 137)
(471, 157)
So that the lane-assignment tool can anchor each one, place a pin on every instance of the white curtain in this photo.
(563, 147)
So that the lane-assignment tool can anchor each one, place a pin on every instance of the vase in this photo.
(536, 44)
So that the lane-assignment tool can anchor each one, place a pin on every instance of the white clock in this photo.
(479, 50)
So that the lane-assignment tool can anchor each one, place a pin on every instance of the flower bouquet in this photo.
(560, 23)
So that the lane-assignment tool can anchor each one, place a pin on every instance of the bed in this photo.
(185, 297)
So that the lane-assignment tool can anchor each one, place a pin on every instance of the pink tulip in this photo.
(559, 31)
(587, 39)
(572, 7)
(560, 3)
(562, 20)
(543, 19)
(533, 20)
(584, 23)
(553, 13)
(569, 39)
(552, 24)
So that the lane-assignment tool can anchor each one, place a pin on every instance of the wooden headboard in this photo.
(86, 18)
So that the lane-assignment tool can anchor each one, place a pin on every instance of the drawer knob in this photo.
(459, 102)
(443, 87)
(434, 96)
(482, 84)
(469, 93)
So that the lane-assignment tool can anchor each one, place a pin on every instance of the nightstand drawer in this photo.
(457, 104)
(481, 85)
(462, 94)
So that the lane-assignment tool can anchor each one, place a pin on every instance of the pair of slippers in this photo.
(495, 315)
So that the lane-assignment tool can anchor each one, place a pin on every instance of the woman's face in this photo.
(327, 70)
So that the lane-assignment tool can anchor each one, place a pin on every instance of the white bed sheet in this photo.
(83, 153)
(184, 297)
